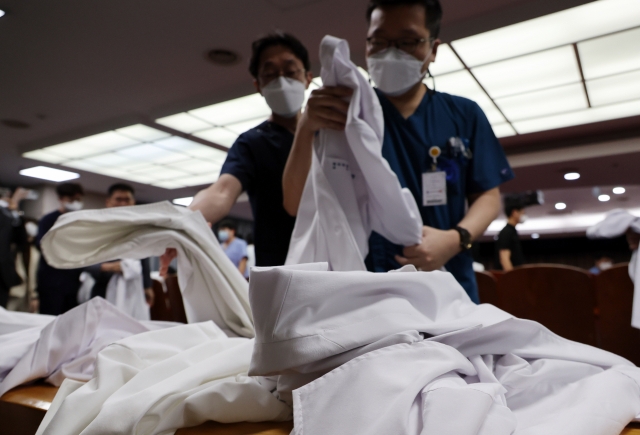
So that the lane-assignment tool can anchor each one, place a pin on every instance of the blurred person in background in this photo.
(235, 248)
(120, 195)
(508, 250)
(12, 238)
(58, 288)
(602, 263)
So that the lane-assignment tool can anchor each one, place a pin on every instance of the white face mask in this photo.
(605, 265)
(394, 71)
(73, 206)
(31, 228)
(284, 96)
(523, 218)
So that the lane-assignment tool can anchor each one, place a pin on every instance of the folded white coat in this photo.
(66, 347)
(157, 382)
(351, 190)
(615, 224)
(212, 287)
(408, 352)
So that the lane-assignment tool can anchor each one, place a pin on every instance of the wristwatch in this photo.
(465, 238)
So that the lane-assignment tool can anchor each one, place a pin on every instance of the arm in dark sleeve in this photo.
(489, 166)
(44, 226)
(240, 163)
(504, 240)
(146, 273)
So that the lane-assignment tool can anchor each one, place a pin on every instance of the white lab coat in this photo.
(408, 352)
(126, 290)
(351, 189)
(615, 224)
(212, 288)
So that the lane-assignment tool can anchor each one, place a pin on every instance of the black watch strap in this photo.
(465, 238)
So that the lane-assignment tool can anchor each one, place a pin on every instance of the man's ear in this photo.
(308, 77)
(435, 44)
(257, 86)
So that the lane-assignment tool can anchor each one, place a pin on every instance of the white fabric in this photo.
(64, 348)
(12, 321)
(212, 288)
(350, 345)
(350, 190)
(126, 290)
(615, 224)
(158, 382)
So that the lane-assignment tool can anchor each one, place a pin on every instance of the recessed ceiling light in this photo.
(571, 176)
(535, 236)
(619, 190)
(183, 201)
(2, 13)
(561, 206)
(50, 174)
(604, 198)
(221, 56)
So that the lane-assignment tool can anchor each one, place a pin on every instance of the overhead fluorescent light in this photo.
(587, 21)
(44, 156)
(560, 206)
(446, 61)
(49, 174)
(234, 111)
(463, 84)
(218, 135)
(169, 184)
(244, 126)
(614, 89)
(571, 176)
(545, 102)
(142, 133)
(92, 145)
(587, 116)
(535, 236)
(610, 54)
(184, 122)
(619, 190)
(529, 73)
(183, 201)
(503, 130)
(2, 13)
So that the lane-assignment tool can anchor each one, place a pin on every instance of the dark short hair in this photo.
(510, 209)
(123, 187)
(228, 223)
(432, 8)
(69, 189)
(274, 39)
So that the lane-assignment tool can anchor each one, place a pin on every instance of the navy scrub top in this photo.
(257, 159)
(479, 167)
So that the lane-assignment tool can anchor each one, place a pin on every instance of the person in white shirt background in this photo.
(234, 247)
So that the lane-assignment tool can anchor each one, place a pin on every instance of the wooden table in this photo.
(22, 410)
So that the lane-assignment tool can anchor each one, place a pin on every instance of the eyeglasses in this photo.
(408, 45)
(269, 76)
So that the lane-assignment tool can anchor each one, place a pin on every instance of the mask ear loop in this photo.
(432, 90)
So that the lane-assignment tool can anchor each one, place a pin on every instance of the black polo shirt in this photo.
(257, 159)
(508, 239)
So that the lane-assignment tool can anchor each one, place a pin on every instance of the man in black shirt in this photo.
(508, 248)
(281, 71)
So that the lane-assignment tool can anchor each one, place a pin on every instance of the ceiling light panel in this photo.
(142, 133)
(184, 122)
(234, 111)
(198, 180)
(44, 156)
(153, 154)
(463, 84)
(614, 89)
(218, 135)
(542, 103)
(587, 21)
(241, 127)
(503, 130)
(446, 61)
(196, 166)
(529, 73)
(51, 174)
(610, 54)
(586, 116)
(92, 145)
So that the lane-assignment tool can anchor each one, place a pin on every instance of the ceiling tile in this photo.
(184, 122)
(611, 54)
(241, 127)
(503, 130)
(529, 73)
(218, 135)
(614, 89)
(197, 166)
(446, 61)
(44, 156)
(142, 133)
(542, 103)
(233, 111)
(152, 154)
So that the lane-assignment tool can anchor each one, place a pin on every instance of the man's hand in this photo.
(149, 296)
(326, 108)
(34, 305)
(166, 259)
(113, 267)
(437, 247)
(20, 194)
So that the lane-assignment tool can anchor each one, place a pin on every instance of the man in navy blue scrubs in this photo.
(281, 71)
(431, 140)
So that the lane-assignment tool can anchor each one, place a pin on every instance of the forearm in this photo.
(296, 170)
(216, 201)
(505, 260)
(484, 209)
(242, 266)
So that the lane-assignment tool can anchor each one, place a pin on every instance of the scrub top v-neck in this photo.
(474, 164)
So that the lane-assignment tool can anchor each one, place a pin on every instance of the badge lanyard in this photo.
(434, 182)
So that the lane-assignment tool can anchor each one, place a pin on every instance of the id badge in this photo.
(434, 188)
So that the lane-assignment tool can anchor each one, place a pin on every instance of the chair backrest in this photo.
(160, 309)
(562, 298)
(487, 288)
(614, 290)
(175, 299)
